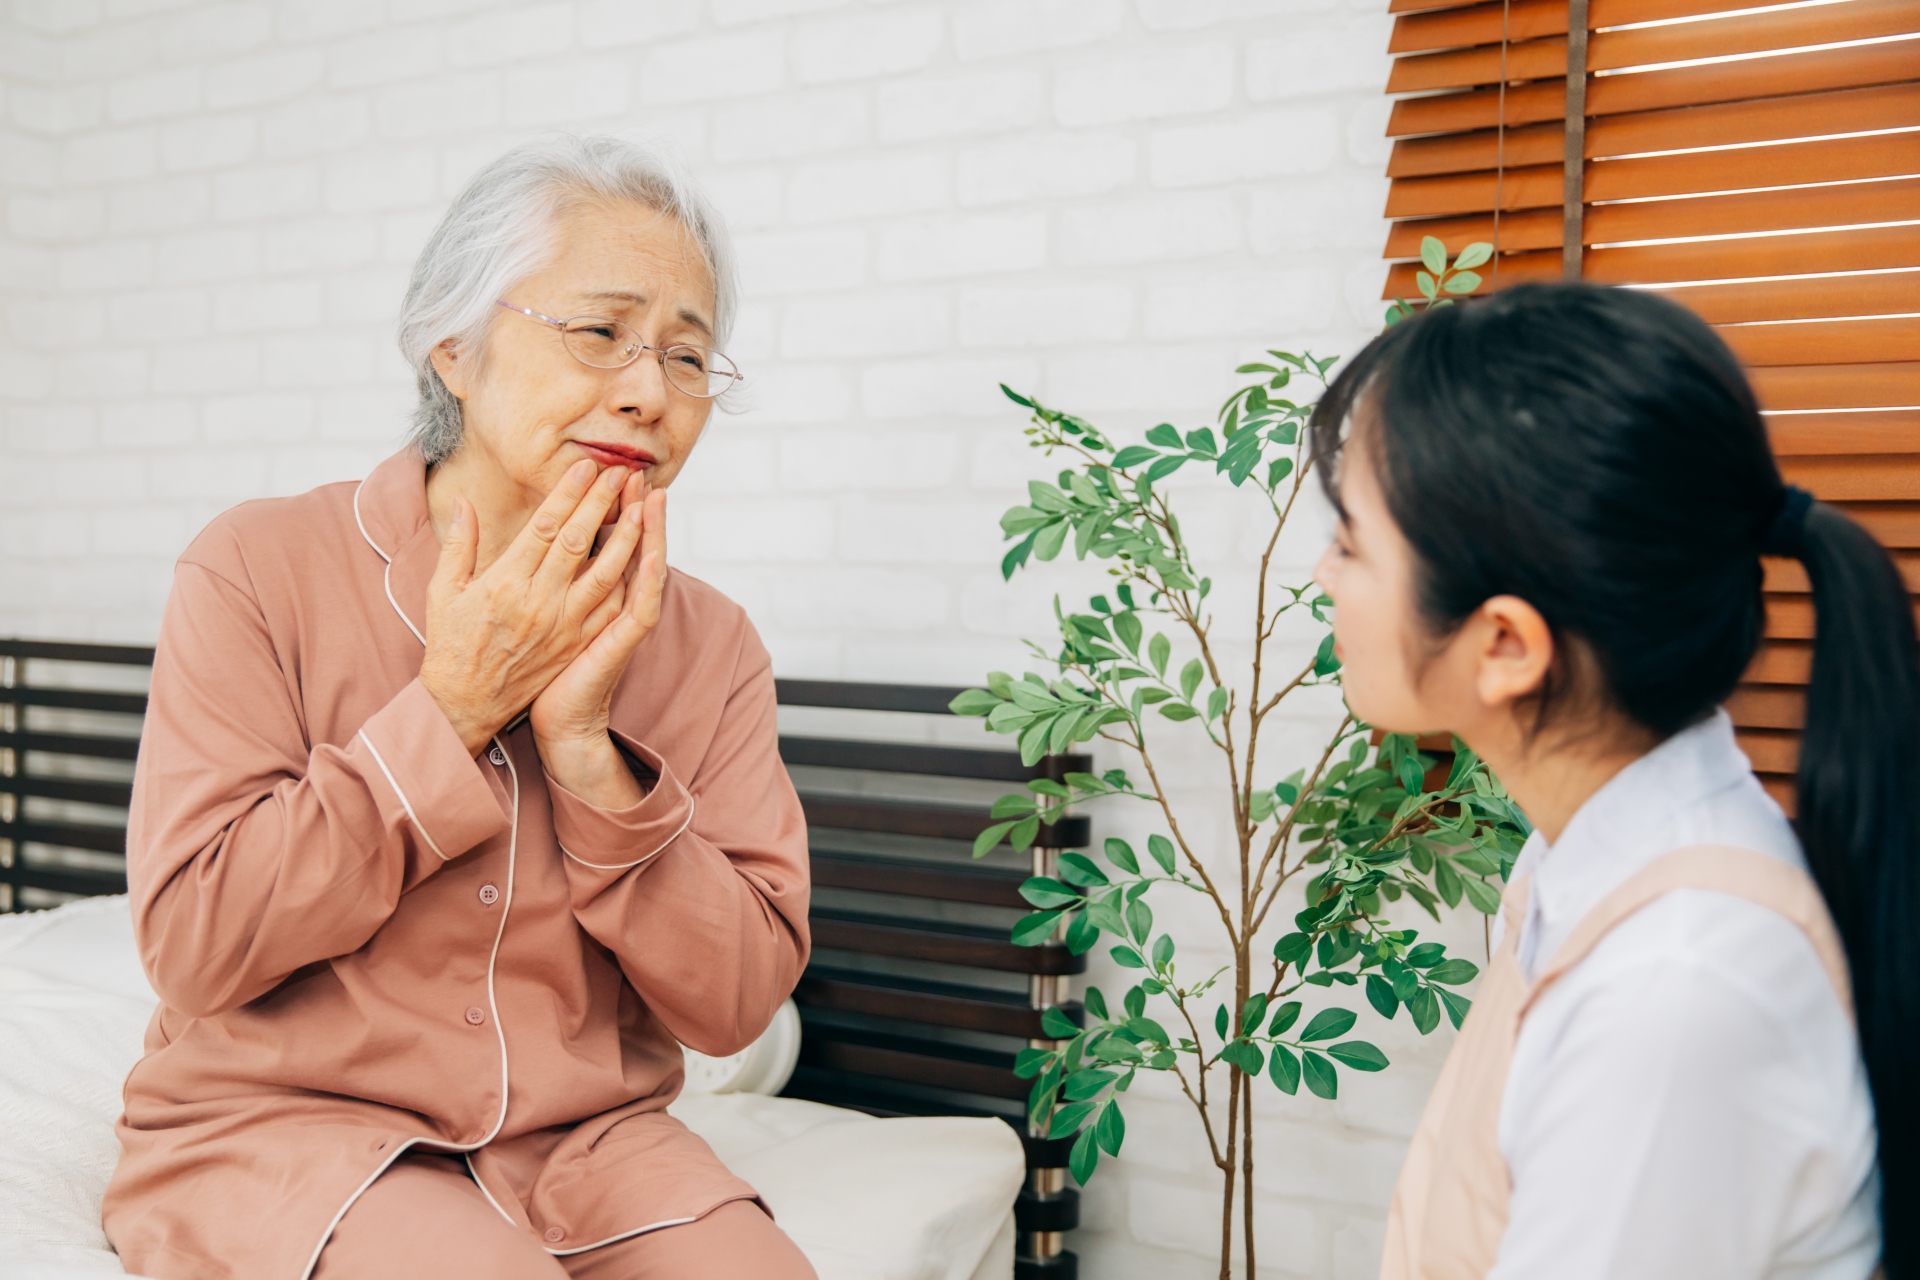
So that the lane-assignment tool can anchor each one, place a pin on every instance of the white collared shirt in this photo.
(1689, 1100)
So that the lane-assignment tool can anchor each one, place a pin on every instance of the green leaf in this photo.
(1426, 283)
(1284, 1069)
(1425, 1010)
(1473, 255)
(1220, 1021)
(1321, 1077)
(1133, 455)
(1084, 1157)
(1277, 470)
(1139, 920)
(1463, 282)
(1089, 1082)
(1024, 832)
(1165, 436)
(1135, 1002)
(1110, 1130)
(1427, 955)
(1048, 541)
(1027, 1063)
(1454, 972)
(1148, 1030)
(1190, 676)
(1251, 1012)
(1483, 896)
(1162, 850)
(1325, 662)
(989, 838)
(974, 702)
(1283, 1018)
(1159, 649)
(1015, 396)
(1069, 1118)
(1058, 1025)
(1178, 711)
(1078, 868)
(1032, 930)
(1245, 1056)
(1457, 1006)
(1162, 950)
(1202, 443)
(1166, 466)
(1359, 1055)
(1448, 883)
(1014, 806)
(1017, 557)
(1126, 629)
(1380, 995)
(1082, 933)
(1120, 854)
(1433, 254)
(1293, 948)
(1095, 1002)
(1044, 892)
(1216, 703)
(1327, 1024)
(1127, 958)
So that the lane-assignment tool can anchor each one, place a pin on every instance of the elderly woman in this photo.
(458, 813)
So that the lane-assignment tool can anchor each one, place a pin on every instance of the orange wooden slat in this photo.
(1537, 186)
(1891, 106)
(1857, 478)
(1790, 617)
(1791, 575)
(1786, 28)
(1770, 750)
(1798, 115)
(1768, 706)
(1780, 787)
(1781, 662)
(1859, 66)
(1794, 208)
(1515, 268)
(1867, 341)
(1482, 23)
(1486, 64)
(1880, 293)
(1536, 59)
(1838, 386)
(1883, 155)
(1821, 435)
(1524, 229)
(1803, 253)
(1416, 6)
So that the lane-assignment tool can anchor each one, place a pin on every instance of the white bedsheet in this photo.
(867, 1199)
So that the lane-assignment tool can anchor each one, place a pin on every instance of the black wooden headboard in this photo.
(915, 1002)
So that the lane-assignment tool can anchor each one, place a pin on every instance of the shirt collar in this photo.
(391, 508)
(1619, 829)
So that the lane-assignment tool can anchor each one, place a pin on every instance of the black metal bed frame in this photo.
(915, 1002)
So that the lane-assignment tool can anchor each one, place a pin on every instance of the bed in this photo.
(906, 1198)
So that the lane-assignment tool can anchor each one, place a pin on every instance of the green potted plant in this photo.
(1320, 857)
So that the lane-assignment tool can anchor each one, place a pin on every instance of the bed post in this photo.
(1047, 1208)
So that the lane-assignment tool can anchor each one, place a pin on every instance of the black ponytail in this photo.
(1599, 453)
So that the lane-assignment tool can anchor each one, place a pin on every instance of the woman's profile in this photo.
(457, 812)
(1553, 507)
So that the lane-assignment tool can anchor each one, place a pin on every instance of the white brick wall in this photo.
(210, 209)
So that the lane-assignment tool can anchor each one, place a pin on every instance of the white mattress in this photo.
(867, 1199)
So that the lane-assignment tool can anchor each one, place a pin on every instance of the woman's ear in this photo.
(1514, 650)
(452, 367)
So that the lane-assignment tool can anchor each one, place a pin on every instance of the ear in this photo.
(453, 368)
(1514, 650)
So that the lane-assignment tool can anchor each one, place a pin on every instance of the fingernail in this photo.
(580, 470)
(614, 477)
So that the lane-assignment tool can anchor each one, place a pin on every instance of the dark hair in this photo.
(1598, 453)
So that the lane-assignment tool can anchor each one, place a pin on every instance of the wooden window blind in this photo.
(1759, 163)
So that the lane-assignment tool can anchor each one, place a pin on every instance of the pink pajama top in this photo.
(366, 941)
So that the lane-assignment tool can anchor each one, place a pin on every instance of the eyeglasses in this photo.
(601, 343)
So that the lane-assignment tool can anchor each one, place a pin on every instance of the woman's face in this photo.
(531, 410)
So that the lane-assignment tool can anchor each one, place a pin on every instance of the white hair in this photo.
(504, 226)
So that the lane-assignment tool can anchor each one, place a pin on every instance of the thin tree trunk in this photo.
(1246, 1177)
(1229, 1167)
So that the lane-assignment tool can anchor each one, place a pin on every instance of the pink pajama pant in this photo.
(424, 1218)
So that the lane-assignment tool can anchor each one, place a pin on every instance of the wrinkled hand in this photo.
(569, 717)
(496, 640)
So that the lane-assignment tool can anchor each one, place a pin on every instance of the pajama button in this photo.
(476, 1015)
(497, 755)
(555, 1235)
(488, 895)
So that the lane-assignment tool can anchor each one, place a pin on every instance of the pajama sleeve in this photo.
(700, 890)
(252, 852)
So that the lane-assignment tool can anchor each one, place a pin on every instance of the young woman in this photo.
(1553, 505)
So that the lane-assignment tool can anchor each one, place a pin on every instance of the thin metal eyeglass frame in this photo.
(660, 353)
